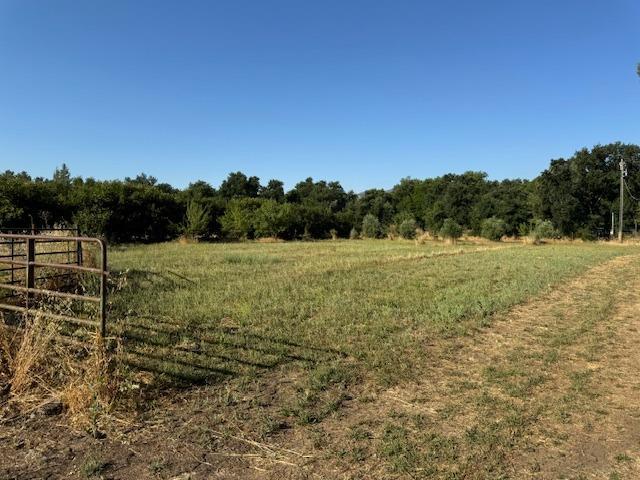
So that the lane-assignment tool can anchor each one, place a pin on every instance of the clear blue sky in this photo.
(364, 92)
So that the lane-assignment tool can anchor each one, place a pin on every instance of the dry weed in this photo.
(422, 237)
(187, 240)
(29, 362)
(269, 240)
(40, 366)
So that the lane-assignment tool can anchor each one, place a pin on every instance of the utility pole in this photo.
(620, 221)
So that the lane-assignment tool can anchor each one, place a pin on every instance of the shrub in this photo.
(450, 230)
(586, 234)
(524, 229)
(196, 220)
(493, 229)
(272, 219)
(353, 234)
(543, 229)
(334, 234)
(370, 226)
(408, 228)
(237, 221)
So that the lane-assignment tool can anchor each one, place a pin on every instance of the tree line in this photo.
(577, 195)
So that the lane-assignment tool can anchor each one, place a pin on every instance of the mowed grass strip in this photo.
(235, 308)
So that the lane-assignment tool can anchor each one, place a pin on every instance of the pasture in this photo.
(230, 307)
(366, 359)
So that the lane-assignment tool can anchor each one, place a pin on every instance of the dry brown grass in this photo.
(269, 240)
(422, 237)
(186, 240)
(28, 361)
(90, 389)
(41, 366)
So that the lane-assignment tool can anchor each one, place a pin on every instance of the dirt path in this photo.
(551, 390)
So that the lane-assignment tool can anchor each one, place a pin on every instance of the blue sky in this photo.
(364, 92)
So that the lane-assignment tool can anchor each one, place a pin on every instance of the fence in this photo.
(28, 274)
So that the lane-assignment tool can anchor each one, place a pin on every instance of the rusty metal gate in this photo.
(39, 265)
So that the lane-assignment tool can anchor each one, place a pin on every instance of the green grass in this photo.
(93, 466)
(207, 311)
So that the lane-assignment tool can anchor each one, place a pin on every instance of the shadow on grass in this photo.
(186, 354)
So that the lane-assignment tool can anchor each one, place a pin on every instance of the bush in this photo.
(451, 230)
(272, 219)
(353, 234)
(196, 220)
(543, 229)
(334, 234)
(524, 229)
(237, 221)
(586, 234)
(493, 229)
(370, 226)
(408, 228)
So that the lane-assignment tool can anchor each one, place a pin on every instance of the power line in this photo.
(629, 191)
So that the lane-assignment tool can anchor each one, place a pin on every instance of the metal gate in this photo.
(44, 266)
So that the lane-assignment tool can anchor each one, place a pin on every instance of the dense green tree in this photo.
(238, 185)
(411, 199)
(579, 194)
(8, 212)
(576, 194)
(329, 194)
(273, 191)
(509, 200)
(198, 190)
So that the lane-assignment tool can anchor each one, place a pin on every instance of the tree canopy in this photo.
(577, 195)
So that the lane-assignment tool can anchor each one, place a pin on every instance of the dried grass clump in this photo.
(422, 237)
(90, 390)
(28, 365)
(392, 232)
(40, 366)
(269, 240)
(187, 240)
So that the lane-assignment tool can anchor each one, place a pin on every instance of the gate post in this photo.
(103, 290)
(13, 278)
(30, 269)
(78, 247)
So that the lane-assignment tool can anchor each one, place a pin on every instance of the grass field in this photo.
(202, 311)
(362, 360)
